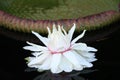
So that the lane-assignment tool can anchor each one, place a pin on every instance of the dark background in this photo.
(13, 65)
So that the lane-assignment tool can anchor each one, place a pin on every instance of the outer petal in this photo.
(56, 58)
(86, 54)
(65, 65)
(83, 47)
(59, 70)
(34, 47)
(72, 58)
(46, 64)
(79, 46)
(43, 39)
(77, 38)
(38, 60)
(91, 59)
(91, 49)
(82, 60)
(36, 54)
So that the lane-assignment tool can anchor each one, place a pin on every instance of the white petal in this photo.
(46, 64)
(91, 59)
(87, 54)
(34, 47)
(77, 38)
(82, 60)
(59, 28)
(37, 53)
(43, 39)
(31, 48)
(65, 65)
(79, 46)
(72, 58)
(54, 28)
(56, 58)
(31, 59)
(83, 47)
(71, 31)
(65, 33)
(59, 70)
(49, 32)
(91, 49)
(38, 60)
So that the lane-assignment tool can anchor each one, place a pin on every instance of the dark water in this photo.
(12, 63)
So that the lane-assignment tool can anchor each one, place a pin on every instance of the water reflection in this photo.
(74, 75)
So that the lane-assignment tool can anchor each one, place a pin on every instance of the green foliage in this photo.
(56, 9)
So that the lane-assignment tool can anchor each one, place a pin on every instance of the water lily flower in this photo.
(61, 52)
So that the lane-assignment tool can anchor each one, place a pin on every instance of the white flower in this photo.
(60, 52)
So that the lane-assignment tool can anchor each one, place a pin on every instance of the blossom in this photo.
(60, 52)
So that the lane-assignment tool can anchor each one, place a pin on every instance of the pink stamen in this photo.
(59, 52)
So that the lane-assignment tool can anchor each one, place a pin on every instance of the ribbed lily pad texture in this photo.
(27, 15)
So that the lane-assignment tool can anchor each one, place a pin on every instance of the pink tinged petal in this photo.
(34, 47)
(79, 37)
(38, 60)
(43, 39)
(82, 60)
(72, 58)
(46, 64)
(56, 58)
(71, 31)
(65, 65)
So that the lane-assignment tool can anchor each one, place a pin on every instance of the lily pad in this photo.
(22, 16)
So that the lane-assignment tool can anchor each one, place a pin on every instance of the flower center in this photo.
(59, 52)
